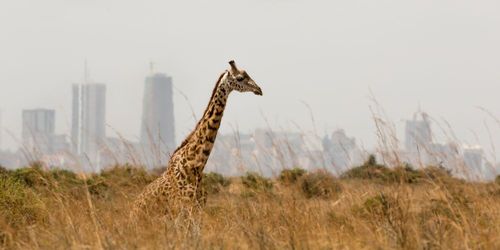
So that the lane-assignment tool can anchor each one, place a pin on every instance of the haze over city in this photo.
(440, 57)
(249, 124)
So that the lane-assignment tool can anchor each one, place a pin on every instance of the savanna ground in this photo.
(369, 207)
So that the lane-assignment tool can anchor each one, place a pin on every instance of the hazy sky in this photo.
(442, 56)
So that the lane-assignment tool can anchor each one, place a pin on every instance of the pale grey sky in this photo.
(443, 56)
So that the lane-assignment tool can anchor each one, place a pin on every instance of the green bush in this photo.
(4, 171)
(371, 170)
(19, 205)
(405, 174)
(127, 175)
(32, 176)
(63, 175)
(98, 186)
(256, 182)
(319, 184)
(213, 183)
(104, 184)
(55, 180)
(436, 173)
(64, 179)
(291, 176)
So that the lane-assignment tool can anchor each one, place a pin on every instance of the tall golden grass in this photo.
(371, 207)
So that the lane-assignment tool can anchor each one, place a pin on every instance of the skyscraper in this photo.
(157, 128)
(418, 139)
(38, 130)
(418, 134)
(473, 159)
(88, 130)
(341, 151)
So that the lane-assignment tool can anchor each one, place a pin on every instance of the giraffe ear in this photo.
(233, 66)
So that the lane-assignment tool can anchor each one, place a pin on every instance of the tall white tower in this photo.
(88, 129)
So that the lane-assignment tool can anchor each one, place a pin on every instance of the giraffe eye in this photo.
(239, 78)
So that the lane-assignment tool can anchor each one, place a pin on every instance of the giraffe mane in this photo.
(204, 113)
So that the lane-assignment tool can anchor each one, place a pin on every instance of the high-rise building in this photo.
(418, 139)
(88, 130)
(418, 133)
(38, 130)
(341, 151)
(473, 159)
(444, 155)
(157, 128)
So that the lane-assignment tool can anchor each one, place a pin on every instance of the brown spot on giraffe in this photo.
(180, 184)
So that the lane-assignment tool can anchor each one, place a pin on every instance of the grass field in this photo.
(370, 207)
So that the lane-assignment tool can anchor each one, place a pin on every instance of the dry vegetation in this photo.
(369, 207)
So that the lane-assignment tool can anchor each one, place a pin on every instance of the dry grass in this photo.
(56, 210)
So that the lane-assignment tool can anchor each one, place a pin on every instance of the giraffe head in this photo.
(240, 81)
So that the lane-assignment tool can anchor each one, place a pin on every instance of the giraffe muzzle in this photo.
(257, 90)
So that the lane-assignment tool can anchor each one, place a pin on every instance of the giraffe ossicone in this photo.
(180, 184)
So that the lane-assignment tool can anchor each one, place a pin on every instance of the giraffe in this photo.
(180, 184)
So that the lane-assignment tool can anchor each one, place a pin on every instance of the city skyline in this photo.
(262, 149)
(140, 136)
(441, 56)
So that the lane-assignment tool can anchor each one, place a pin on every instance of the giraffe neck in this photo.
(203, 137)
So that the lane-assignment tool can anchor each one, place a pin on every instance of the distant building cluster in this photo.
(268, 152)
(87, 148)
(342, 152)
(39, 140)
(422, 150)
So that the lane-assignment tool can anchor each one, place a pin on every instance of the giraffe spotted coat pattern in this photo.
(180, 184)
